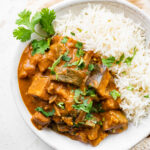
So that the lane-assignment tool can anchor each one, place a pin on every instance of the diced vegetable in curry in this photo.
(70, 91)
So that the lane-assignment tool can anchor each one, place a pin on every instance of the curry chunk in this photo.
(69, 75)
(110, 104)
(38, 87)
(114, 120)
(40, 120)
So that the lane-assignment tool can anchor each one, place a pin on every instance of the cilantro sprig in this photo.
(47, 114)
(27, 27)
(115, 94)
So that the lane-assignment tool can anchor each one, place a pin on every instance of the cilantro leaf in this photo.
(115, 94)
(35, 19)
(121, 59)
(108, 61)
(90, 92)
(55, 64)
(86, 107)
(39, 47)
(79, 45)
(80, 52)
(146, 96)
(130, 88)
(88, 116)
(61, 105)
(24, 18)
(128, 60)
(47, 114)
(65, 57)
(47, 17)
(22, 34)
(91, 67)
(72, 33)
(77, 95)
(64, 40)
(81, 64)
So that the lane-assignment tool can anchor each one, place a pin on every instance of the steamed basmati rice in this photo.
(113, 34)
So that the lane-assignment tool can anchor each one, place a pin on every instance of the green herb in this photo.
(81, 64)
(86, 107)
(91, 67)
(88, 116)
(115, 94)
(147, 96)
(130, 88)
(64, 40)
(97, 108)
(73, 64)
(80, 30)
(90, 92)
(72, 33)
(77, 95)
(103, 119)
(124, 73)
(61, 105)
(100, 123)
(65, 57)
(121, 59)
(55, 64)
(79, 45)
(39, 47)
(47, 17)
(80, 52)
(47, 114)
(27, 24)
(128, 60)
(109, 61)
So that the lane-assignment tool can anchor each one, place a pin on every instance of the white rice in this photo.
(113, 34)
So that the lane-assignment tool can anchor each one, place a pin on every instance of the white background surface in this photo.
(14, 133)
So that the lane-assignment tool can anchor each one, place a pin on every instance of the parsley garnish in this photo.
(108, 61)
(86, 107)
(39, 47)
(64, 40)
(128, 60)
(90, 67)
(61, 105)
(72, 33)
(130, 88)
(146, 96)
(121, 59)
(55, 64)
(65, 57)
(115, 94)
(47, 114)
(79, 45)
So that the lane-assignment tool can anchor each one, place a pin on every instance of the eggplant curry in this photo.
(70, 91)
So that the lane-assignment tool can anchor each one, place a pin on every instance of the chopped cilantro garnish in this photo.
(81, 64)
(128, 60)
(61, 105)
(130, 88)
(39, 47)
(121, 59)
(90, 92)
(108, 61)
(64, 40)
(91, 67)
(146, 96)
(47, 114)
(88, 116)
(72, 33)
(86, 107)
(55, 64)
(80, 52)
(100, 123)
(65, 57)
(80, 30)
(115, 94)
(79, 45)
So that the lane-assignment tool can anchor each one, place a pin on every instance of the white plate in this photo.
(121, 141)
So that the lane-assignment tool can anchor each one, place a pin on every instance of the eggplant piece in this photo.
(99, 79)
(114, 120)
(69, 75)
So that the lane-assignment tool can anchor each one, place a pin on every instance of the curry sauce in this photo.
(68, 90)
